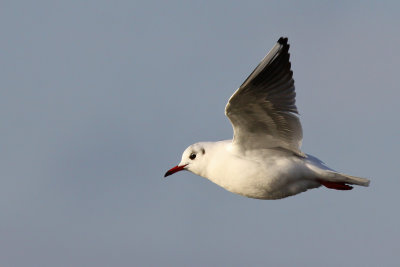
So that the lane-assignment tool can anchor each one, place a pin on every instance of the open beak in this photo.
(174, 170)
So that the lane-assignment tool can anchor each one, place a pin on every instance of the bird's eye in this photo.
(192, 156)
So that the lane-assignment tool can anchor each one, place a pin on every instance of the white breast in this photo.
(264, 174)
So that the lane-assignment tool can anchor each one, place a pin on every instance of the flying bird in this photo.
(264, 160)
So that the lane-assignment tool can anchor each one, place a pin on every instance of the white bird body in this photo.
(264, 159)
(262, 173)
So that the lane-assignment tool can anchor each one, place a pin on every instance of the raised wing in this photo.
(263, 111)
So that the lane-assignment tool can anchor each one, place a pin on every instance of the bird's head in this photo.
(193, 160)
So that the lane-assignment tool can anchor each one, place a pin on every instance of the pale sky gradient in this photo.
(99, 98)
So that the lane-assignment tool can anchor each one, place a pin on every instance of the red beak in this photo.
(174, 170)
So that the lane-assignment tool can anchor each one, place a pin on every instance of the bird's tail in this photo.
(340, 181)
(331, 178)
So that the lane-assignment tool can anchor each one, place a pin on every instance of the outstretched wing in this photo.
(263, 111)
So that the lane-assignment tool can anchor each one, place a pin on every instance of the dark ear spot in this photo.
(203, 151)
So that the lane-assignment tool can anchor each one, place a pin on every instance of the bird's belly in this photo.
(267, 180)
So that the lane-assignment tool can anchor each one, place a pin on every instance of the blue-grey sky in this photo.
(99, 98)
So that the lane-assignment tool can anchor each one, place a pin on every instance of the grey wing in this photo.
(263, 111)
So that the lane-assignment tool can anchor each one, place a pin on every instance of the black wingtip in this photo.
(283, 40)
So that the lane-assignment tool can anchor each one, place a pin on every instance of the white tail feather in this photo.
(340, 177)
(354, 179)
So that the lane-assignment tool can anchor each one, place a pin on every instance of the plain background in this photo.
(99, 98)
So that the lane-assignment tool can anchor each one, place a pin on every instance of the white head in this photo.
(193, 159)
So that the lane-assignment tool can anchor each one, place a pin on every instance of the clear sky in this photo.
(99, 98)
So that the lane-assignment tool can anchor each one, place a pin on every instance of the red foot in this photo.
(336, 185)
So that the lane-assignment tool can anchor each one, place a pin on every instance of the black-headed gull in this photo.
(264, 159)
